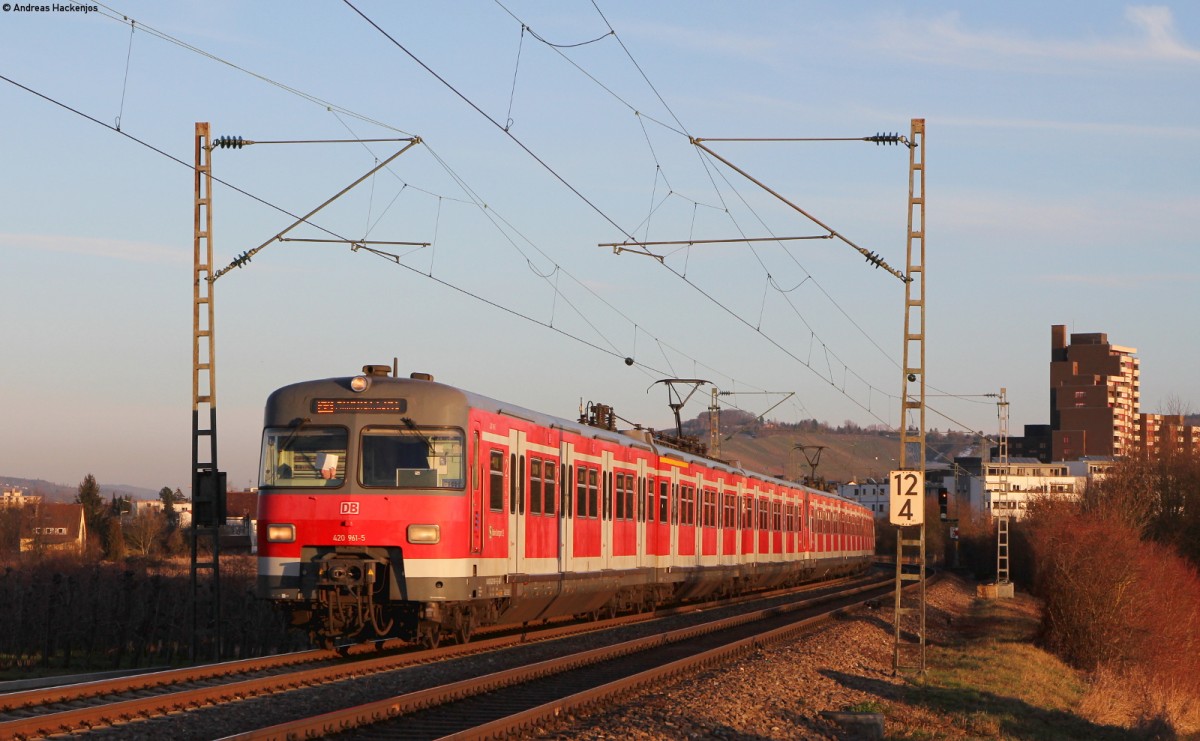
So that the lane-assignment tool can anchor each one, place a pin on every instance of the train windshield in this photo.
(412, 457)
(303, 456)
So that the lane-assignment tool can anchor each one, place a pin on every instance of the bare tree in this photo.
(144, 530)
(1175, 405)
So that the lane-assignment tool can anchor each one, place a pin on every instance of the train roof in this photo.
(630, 438)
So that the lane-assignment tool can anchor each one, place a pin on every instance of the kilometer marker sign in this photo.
(906, 498)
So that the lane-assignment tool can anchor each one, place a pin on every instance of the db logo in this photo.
(349, 508)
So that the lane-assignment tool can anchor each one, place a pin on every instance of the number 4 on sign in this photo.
(907, 498)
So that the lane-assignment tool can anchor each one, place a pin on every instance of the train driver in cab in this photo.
(328, 463)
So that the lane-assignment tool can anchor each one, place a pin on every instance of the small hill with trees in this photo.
(848, 452)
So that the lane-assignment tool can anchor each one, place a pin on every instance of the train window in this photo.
(412, 458)
(776, 516)
(521, 488)
(674, 504)
(535, 486)
(496, 481)
(512, 483)
(592, 492)
(762, 514)
(606, 504)
(548, 469)
(303, 456)
(641, 497)
(663, 499)
(620, 496)
(565, 484)
(581, 492)
(475, 457)
(629, 496)
(729, 511)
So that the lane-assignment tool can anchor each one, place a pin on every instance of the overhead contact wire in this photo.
(491, 120)
(125, 82)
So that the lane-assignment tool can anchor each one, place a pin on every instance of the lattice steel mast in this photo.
(208, 483)
(909, 650)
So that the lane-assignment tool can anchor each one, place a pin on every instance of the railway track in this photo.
(524, 698)
(111, 705)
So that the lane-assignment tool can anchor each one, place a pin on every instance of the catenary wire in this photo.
(336, 109)
(583, 197)
(312, 98)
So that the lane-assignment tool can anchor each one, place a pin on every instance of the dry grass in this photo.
(988, 680)
(1145, 703)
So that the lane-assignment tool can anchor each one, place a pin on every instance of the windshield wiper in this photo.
(413, 426)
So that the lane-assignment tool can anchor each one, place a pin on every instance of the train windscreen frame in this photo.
(303, 457)
(412, 457)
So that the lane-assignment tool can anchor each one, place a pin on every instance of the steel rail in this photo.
(374, 712)
(120, 711)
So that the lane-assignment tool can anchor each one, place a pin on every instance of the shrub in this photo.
(1113, 600)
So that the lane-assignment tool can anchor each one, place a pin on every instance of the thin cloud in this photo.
(727, 44)
(1107, 129)
(1120, 280)
(1108, 221)
(101, 247)
(1153, 38)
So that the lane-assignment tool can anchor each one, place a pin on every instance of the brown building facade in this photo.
(1095, 396)
(1158, 434)
(1095, 403)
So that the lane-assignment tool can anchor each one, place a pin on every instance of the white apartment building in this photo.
(1008, 489)
(870, 493)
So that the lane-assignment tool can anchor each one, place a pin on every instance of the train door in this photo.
(725, 533)
(662, 521)
(479, 475)
(516, 501)
(566, 500)
(640, 513)
(806, 541)
(606, 509)
(674, 515)
(749, 522)
(738, 497)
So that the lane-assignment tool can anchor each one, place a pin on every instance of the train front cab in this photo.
(363, 513)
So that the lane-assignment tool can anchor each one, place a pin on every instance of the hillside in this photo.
(847, 453)
(66, 493)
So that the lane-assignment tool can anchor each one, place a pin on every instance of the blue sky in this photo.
(1063, 176)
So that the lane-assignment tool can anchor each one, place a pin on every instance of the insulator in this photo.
(884, 138)
(229, 142)
(241, 259)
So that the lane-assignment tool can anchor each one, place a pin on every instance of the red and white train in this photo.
(404, 507)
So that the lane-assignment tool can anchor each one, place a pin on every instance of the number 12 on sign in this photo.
(907, 500)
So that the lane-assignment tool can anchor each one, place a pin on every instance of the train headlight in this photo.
(360, 383)
(281, 533)
(424, 534)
